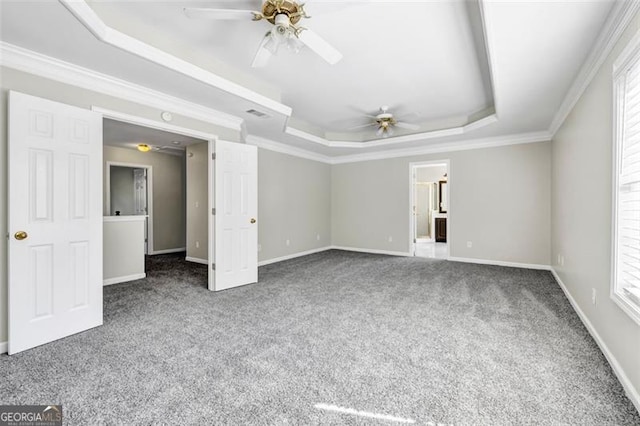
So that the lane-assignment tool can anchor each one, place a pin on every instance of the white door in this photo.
(139, 191)
(236, 204)
(140, 201)
(55, 221)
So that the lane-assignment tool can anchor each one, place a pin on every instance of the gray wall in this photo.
(16, 80)
(198, 201)
(122, 191)
(499, 202)
(582, 213)
(169, 195)
(294, 203)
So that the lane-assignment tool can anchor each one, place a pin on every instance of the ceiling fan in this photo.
(385, 122)
(284, 15)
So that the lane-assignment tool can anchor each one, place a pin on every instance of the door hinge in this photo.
(213, 266)
(213, 156)
(213, 211)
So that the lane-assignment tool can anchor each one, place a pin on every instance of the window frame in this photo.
(629, 57)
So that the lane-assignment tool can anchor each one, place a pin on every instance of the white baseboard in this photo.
(631, 392)
(372, 251)
(168, 251)
(499, 263)
(123, 279)
(292, 256)
(4, 347)
(196, 260)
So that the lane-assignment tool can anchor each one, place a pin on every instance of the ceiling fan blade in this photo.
(223, 14)
(380, 131)
(316, 43)
(362, 126)
(407, 126)
(263, 54)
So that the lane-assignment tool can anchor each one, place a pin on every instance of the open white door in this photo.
(55, 221)
(236, 206)
(139, 191)
(140, 201)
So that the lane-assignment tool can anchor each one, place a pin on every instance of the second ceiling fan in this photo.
(285, 16)
(385, 121)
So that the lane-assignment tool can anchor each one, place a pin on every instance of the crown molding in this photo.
(54, 69)
(452, 131)
(490, 57)
(464, 145)
(616, 23)
(83, 12)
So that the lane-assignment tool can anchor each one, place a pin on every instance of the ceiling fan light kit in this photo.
(385, 123)
(284, 15)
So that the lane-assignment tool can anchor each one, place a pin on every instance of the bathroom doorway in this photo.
(429, 209)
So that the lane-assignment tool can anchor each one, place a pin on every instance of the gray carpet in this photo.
(426, 340)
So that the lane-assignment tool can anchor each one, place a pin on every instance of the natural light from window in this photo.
(365, 414)
(625, 285)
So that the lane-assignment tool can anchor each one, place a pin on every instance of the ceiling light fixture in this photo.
(143, 147)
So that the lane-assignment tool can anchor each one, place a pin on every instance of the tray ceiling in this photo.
(459, 69)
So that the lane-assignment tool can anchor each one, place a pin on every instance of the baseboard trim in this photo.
(123, 279)
(196, 260)
(4, 347)
(292, 256)
(372, 251)
(168, 251)
(500, 263)
(632, 393)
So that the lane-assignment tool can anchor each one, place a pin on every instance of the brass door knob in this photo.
(253, 220)
(20, 235)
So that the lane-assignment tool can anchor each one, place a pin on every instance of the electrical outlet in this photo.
(561, 260)
(593, 296)
(259, 247)
(197, 244)
(288, 243)
(558, 259)
(318, 237)
(197, 204)
(390, 239)
(469, 244)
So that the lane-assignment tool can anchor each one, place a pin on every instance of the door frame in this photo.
(158, 125)
(107, 182)
(412, 180)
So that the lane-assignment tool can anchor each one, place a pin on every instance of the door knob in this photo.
(253, 220)
(20, 235)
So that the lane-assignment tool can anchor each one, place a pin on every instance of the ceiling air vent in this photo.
(257, 113)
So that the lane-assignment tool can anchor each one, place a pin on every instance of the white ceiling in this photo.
(440, 64)
(127, 135)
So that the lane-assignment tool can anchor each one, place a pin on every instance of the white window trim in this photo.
(630, 55)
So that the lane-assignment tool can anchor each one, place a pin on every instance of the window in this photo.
(625, 285)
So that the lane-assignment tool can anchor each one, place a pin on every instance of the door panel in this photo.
(55, 197)
(236, 228)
